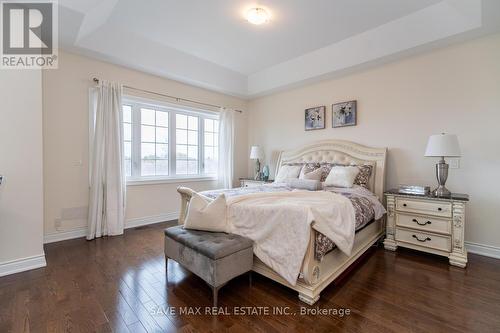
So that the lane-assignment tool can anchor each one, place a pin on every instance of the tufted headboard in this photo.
(341, 152)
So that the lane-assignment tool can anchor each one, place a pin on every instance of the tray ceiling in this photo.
(209, 43)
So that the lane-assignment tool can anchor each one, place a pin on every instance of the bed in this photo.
(316, 274)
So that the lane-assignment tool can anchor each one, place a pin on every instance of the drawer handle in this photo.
(421, 240)
(404, 205)
(440, 209)
(425, 223)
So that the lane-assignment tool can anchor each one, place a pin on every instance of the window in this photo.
(154, 142)
(163, 141)
(186, 138)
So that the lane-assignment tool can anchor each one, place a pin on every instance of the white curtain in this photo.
(226, 148)
(107, 175)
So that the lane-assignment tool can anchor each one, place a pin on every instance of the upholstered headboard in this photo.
(341, 152)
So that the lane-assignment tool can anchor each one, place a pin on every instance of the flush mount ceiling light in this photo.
(257, 15)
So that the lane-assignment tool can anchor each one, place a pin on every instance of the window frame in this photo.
(136, 104)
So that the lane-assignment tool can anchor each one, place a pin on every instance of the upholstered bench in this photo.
(216, 257)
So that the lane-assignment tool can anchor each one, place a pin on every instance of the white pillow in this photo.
(342, 176)
(288, 171)
(205, 215)
(313, 175)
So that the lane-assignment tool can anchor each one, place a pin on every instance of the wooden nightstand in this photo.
(427, 223)
(248, 182)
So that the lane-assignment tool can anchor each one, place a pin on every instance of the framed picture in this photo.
(315, 118)
(344, 114)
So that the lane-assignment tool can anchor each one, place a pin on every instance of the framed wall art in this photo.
(344, 114)
(315, 118)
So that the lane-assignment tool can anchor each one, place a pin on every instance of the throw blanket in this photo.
(280, 224)
(367, 207)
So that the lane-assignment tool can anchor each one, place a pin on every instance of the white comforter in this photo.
(280, 225)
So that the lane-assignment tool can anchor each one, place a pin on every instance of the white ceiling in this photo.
(209, 43)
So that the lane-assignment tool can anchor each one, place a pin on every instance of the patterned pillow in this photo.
(363, 177)
(326, 167)
(308, 168)
(313, 175)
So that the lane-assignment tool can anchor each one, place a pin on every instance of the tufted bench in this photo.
(216, 257)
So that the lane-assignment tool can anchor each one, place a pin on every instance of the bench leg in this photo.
(215, 292)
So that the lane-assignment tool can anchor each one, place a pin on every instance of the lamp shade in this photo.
(256, 153)
(443, 145)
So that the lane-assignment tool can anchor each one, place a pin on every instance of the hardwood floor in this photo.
(118, 284)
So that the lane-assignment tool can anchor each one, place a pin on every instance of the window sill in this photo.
(157, 181)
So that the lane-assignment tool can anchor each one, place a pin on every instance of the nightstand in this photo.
(248, 182)
(427, 223)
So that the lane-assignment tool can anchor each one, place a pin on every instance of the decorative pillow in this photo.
(363, 177)
(305, 184)
(206, 215)
(311, 171)
(313, 175)
(308, 167)
(288, 171)
(325, 167)
(342, 176)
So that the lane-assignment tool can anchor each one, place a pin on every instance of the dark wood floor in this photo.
(118, 284)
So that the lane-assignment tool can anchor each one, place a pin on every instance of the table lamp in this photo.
(442, 145)
(256, 153)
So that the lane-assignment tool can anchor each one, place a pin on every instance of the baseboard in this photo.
(23, 264)
(484, 250)
(64, 235)
(132, 223)
(138, 222)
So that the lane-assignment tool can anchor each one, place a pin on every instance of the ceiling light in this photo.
(257, 15)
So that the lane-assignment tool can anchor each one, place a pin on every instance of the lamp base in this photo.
(441, 191)
(258, 174)
(441, 175)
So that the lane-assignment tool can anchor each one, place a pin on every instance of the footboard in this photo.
(311, 266)
(186, 194)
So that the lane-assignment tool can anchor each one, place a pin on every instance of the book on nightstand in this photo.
(414, 189)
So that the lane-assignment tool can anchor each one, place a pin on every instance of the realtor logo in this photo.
(29, 34)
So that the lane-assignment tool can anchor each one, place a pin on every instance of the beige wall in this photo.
(21, 194)
(65, 126)
(455, 90)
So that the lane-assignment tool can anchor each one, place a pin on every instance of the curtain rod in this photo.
(96, 80)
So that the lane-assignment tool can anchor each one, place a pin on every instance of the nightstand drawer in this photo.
(424, 223)
(424, 239)
(436, 208)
